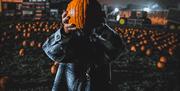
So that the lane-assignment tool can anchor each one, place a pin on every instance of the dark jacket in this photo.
(83, 55)
(97, 46)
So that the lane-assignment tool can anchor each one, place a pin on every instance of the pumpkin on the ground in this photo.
(54, 68)
(133, 48)
(21, 52)
(3, 82)
(160, 65)
(163, 59)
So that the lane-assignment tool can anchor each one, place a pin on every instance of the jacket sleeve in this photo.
(53, 46)
(112, 42)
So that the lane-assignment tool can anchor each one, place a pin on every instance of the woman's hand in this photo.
(67, 27)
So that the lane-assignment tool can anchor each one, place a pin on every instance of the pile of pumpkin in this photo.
(26, 38)
(158, 20)
(158, 17)
(32, 35)
(157, 45)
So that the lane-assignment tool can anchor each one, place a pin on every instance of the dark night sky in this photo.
(122, 3)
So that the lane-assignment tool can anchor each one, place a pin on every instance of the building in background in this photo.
(11, 7)
(35, 9)
(57, 7)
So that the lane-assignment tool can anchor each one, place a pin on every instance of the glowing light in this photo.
(147, 9)
(122, 21)
(15, 1)
(117, 17)
(116, 10)
(155, 6)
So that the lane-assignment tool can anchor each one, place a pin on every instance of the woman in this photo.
(83, 54)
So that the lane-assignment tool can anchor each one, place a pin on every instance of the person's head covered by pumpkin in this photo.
(82, 15)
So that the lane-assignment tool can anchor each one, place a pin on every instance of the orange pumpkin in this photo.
(28, 35)
(24, 35)
(163, 59)
(160, 65)
(3, 82)
(145, 41)
(47, 30)
(170, 51)
(159, 47)
(44, 29)
(141, 42)
(54, 69)
(24, 43)
(35, 30)
(77, 11)
(16, 37)
(32, 44)
(128, 41)
(4, 33)
(39, 45)
(137, 45)
(148, 52)
(142, 48)
(21, 52)
(133, 48)
(2, 39)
